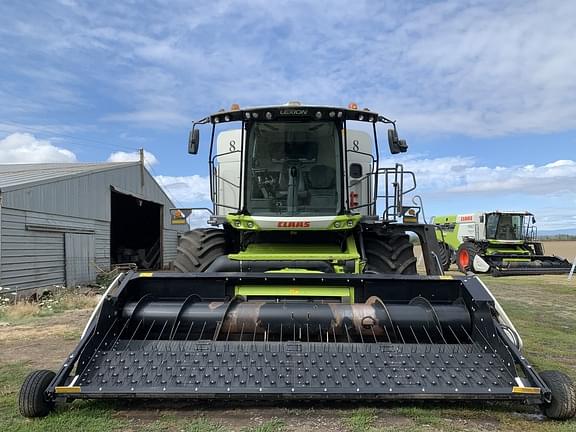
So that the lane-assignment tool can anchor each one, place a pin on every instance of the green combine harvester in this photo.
(304, 287)
(500, 243)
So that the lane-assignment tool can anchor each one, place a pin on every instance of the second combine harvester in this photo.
(304, 291)
(500, 242)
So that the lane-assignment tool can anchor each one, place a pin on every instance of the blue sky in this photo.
(484, 91)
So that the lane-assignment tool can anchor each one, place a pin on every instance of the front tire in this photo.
(465, 256)
(197, 249)
(32, 400)
(563, 404)
(390, 254)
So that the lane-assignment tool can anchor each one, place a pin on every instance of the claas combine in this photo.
(305, 287)
(502, 243)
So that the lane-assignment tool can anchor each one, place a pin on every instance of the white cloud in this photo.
(187, 190)
(153, 119)
(460, 184)
(476, 68)
(26, 148)
(198, 218)
(550, 179)
(462, 175)
(120, 156)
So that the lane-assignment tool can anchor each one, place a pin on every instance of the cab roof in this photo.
(295, 110)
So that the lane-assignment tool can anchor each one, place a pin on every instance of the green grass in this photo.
(25, 312)
(80, 416)
(543, 310)
(203, 425)
(361, 419)
(274, 425)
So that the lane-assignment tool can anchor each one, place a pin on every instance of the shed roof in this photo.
(17, 176)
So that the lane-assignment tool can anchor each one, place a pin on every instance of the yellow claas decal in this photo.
(293, 224)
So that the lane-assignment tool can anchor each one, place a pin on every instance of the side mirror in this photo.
(533, 220)
(396, 145)
(193, 141)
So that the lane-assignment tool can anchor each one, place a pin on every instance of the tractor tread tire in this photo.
(472, 250)
(390, 254)
(32, 401)
(197, 249)
(445, 256)
(563, 404)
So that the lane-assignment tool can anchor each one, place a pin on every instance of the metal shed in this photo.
(62, 223)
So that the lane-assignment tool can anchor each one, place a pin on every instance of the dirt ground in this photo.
(42, 343)
(566, 249)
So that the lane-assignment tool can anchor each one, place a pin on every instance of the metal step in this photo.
(332, 370)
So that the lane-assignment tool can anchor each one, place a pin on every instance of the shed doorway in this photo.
(135, 231)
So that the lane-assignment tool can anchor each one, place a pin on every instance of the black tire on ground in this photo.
(563, 404)
(197, 249)
(390, 254)
(445, 256)
(32, 400)
(465, 256)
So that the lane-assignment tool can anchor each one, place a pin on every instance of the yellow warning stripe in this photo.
(146, 274)
(67, 389)
(526, 390)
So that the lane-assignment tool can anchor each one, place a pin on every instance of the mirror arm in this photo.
(201, 121)
(193, 140)
(385, 120)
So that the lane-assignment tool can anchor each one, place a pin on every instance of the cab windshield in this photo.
(501, 226)
(293, 169)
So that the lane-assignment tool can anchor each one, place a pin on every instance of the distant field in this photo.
(566, 249)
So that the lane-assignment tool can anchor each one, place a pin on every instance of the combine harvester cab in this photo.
(500, 243)
(304, 293)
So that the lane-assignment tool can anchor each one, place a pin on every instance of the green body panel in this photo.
(344, 293)
(448, 233)
(242, 222)
(302, 252)
(344, 222)
(337, 223)
(498, 247)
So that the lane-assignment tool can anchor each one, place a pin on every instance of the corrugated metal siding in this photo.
(88, 196)
(100, 229)
(79, 251)
(17, 176)
(170, 243)
(32, 259)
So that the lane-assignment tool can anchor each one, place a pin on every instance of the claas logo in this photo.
(467, 218)
(293, 224)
